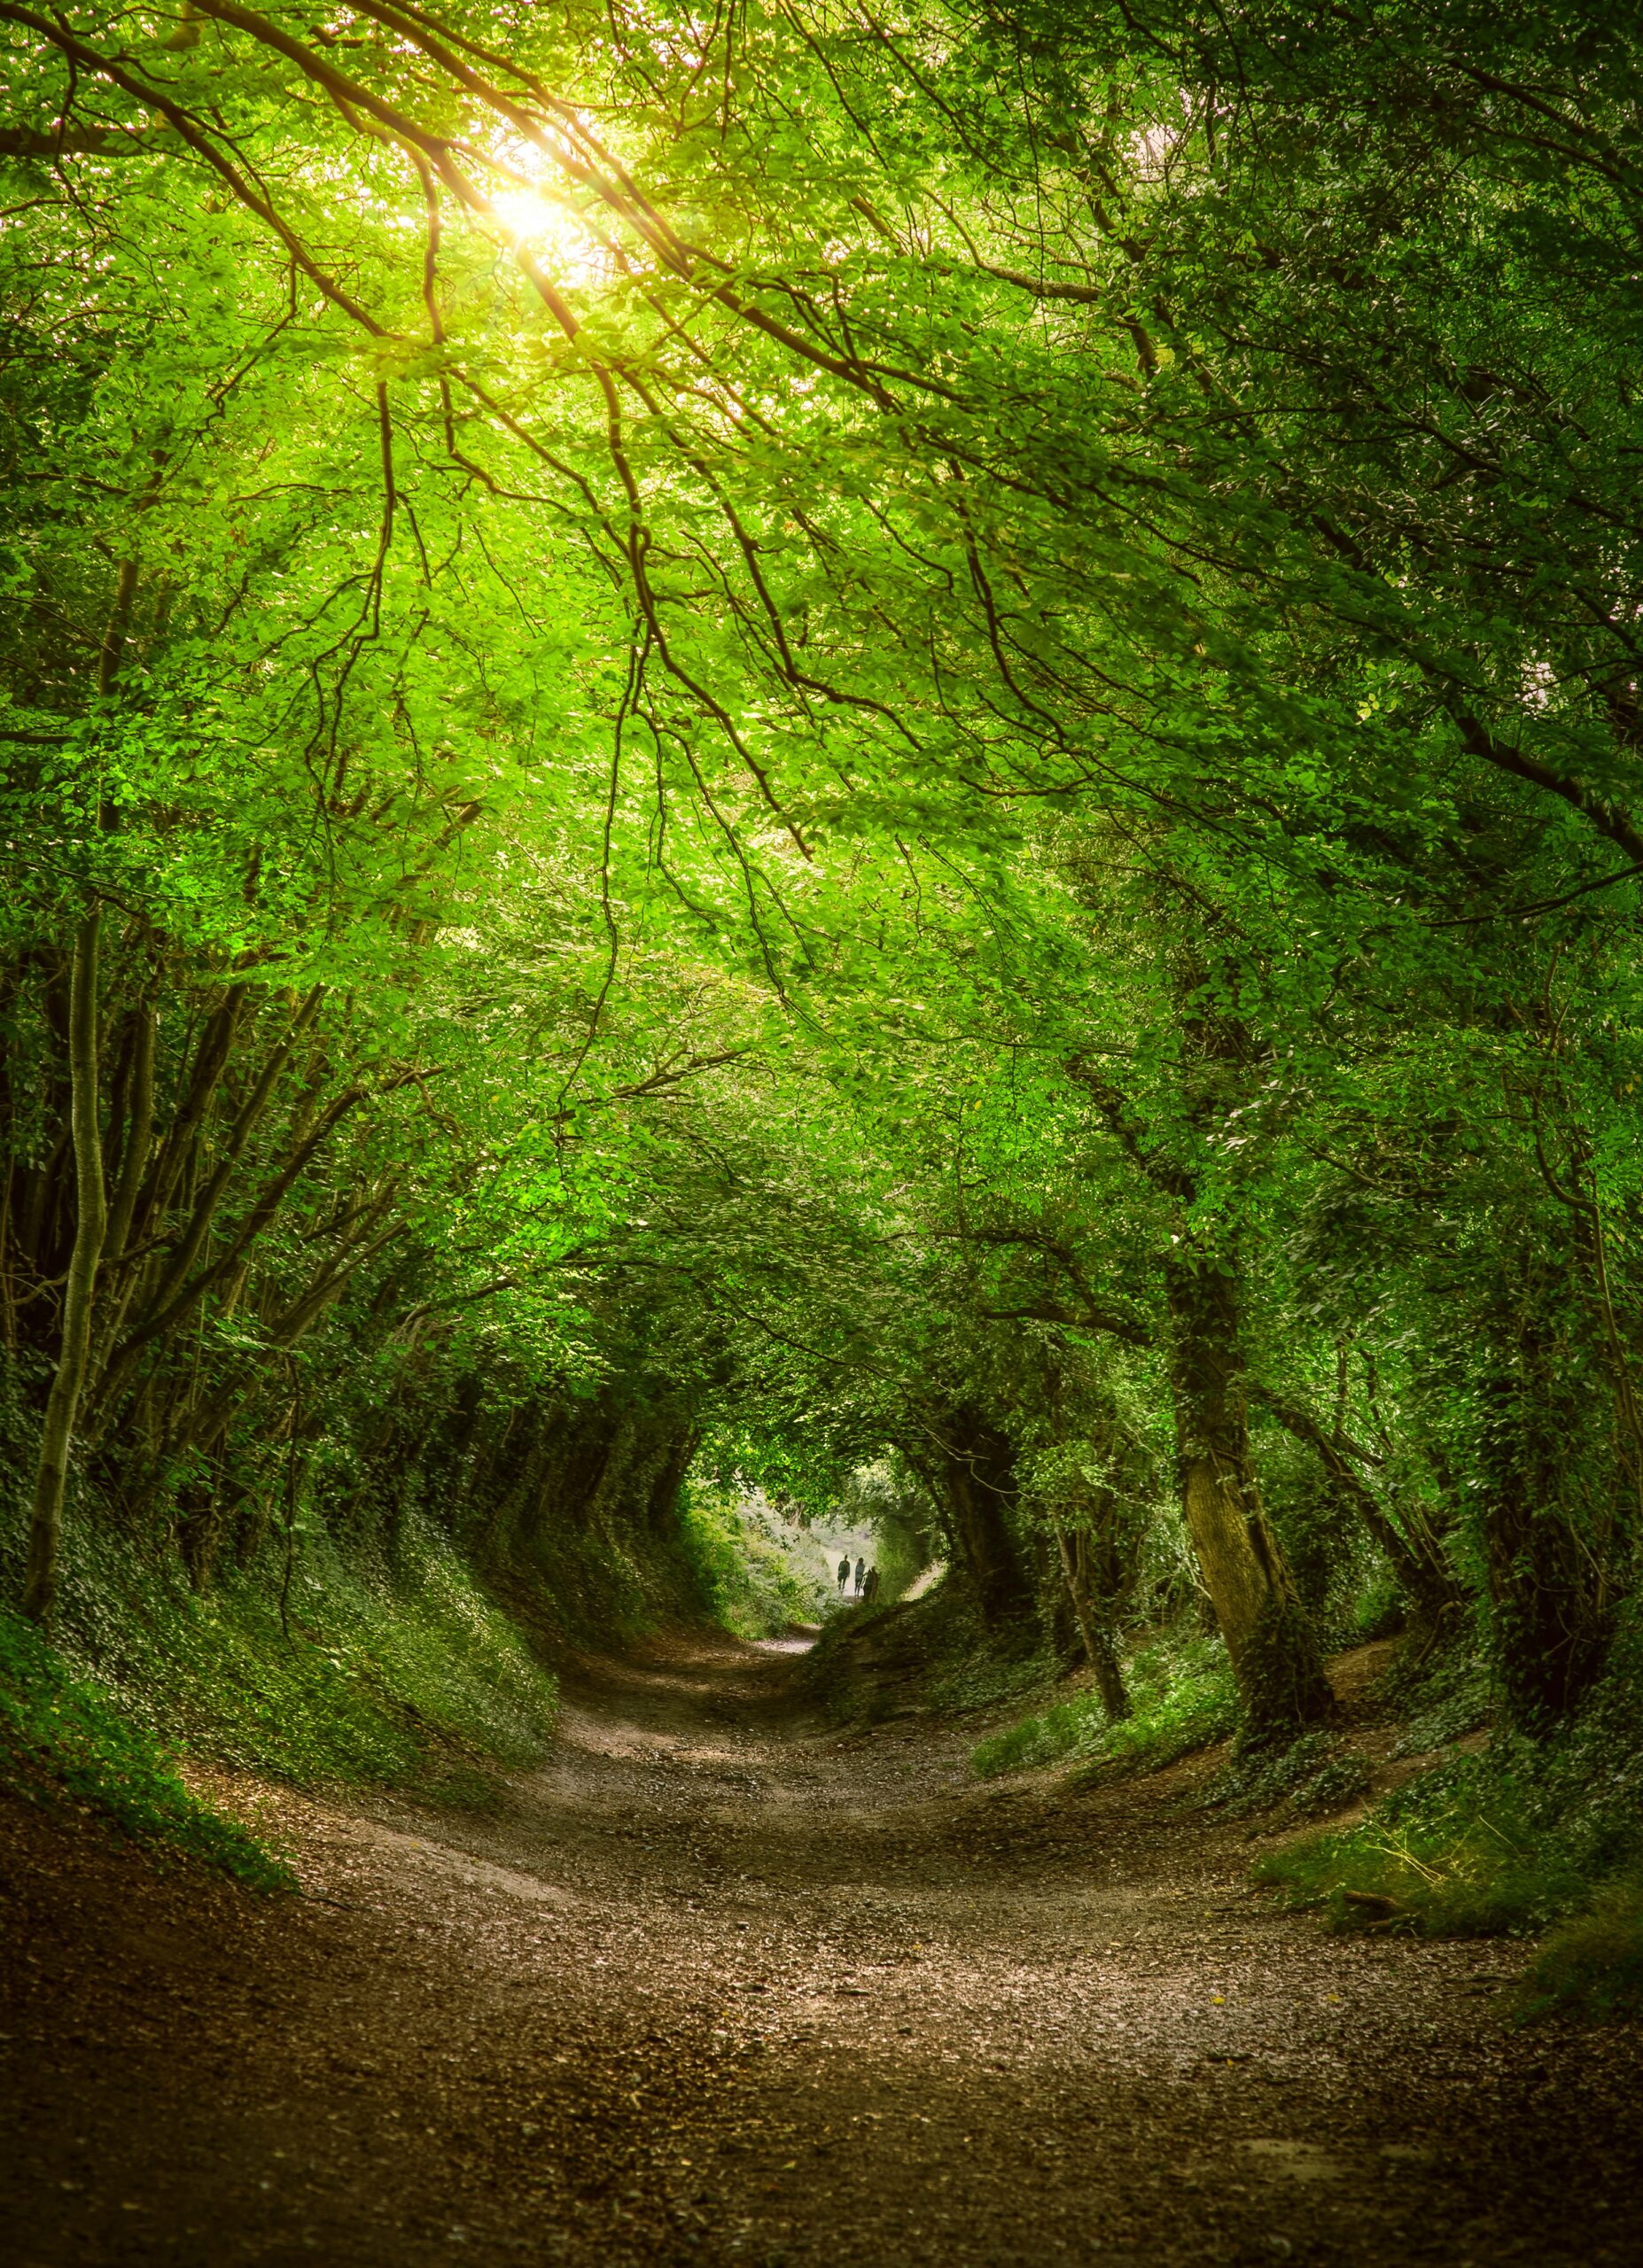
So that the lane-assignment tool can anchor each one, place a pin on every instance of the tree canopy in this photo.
(835, 733)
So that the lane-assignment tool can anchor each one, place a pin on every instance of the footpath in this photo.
(721, 1984)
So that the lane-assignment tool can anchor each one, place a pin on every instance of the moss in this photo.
(65, 1742)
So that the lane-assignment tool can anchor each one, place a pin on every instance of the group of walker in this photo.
(867, 1580)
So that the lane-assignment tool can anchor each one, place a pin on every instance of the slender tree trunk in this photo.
(45, 1525)
(139, 1131)
(45, 1519)
(245, 1122)
(664, 1506)
(1270, 1640)
(187, 1297)
(211, 1057)
(1103, 1655)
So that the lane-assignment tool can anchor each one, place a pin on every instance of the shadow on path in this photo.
(721, 1984)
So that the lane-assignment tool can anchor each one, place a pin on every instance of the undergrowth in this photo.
(64, 1742)
(1523, 1838)
(741, 1572)
(933, 1654)
(1441, 1698)
(405, 1674)
(1592, 1965)
(1455, 1853)
(1313, 1776)
(1183, 1696)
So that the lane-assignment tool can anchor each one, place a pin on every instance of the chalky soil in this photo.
(721, 1984)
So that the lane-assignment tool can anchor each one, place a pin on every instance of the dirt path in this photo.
(721, 1986)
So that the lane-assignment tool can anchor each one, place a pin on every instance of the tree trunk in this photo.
(139, 1130)
(1098, 1646)
(978, 1476)
(1425, 1579)
(1551, 1632)
(45, 1525)
(662, 1512)
(189, 1242)
(1270, 1641)
(184, 1301)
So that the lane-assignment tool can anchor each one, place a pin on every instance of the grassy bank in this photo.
(344, 1668)
(1527, 1838)
(929, 1655)
(321, 1666)
(331, 1661)
(737, 1566)
(65, 1743)
(1182, 1697)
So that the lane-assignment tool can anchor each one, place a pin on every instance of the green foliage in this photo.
(741, 1574)
(1456, 1852)
(902, 1555)
(752, 782)
(1313, 1776)
(1522, 1837)
(1442, 1699)
(933, 1655)
(971, 1668)
(63, 1739)
(1591, 1965)
(1183, 1697)
(1378, 1608)
(404, 1676)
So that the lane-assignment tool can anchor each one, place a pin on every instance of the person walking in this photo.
(843, 1573)
(870, 1589)
(860, 1575)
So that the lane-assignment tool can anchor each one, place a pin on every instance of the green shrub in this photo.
(901, 1557)
(1456, 1852)
(62, 1740)
(1592, 1965)
(1183, 1697)
(1442, 1696)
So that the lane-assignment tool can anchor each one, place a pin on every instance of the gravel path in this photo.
(723, 1985)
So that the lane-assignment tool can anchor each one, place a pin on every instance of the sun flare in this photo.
(537, 222)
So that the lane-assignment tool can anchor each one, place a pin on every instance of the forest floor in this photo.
(722, 1983)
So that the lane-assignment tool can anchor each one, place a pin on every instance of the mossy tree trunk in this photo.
(45, 1519)
(1270, 1640)
(1546, 1582)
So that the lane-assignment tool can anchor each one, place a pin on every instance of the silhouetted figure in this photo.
(869, 1590)
(860, 1575)
(843, 1573)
